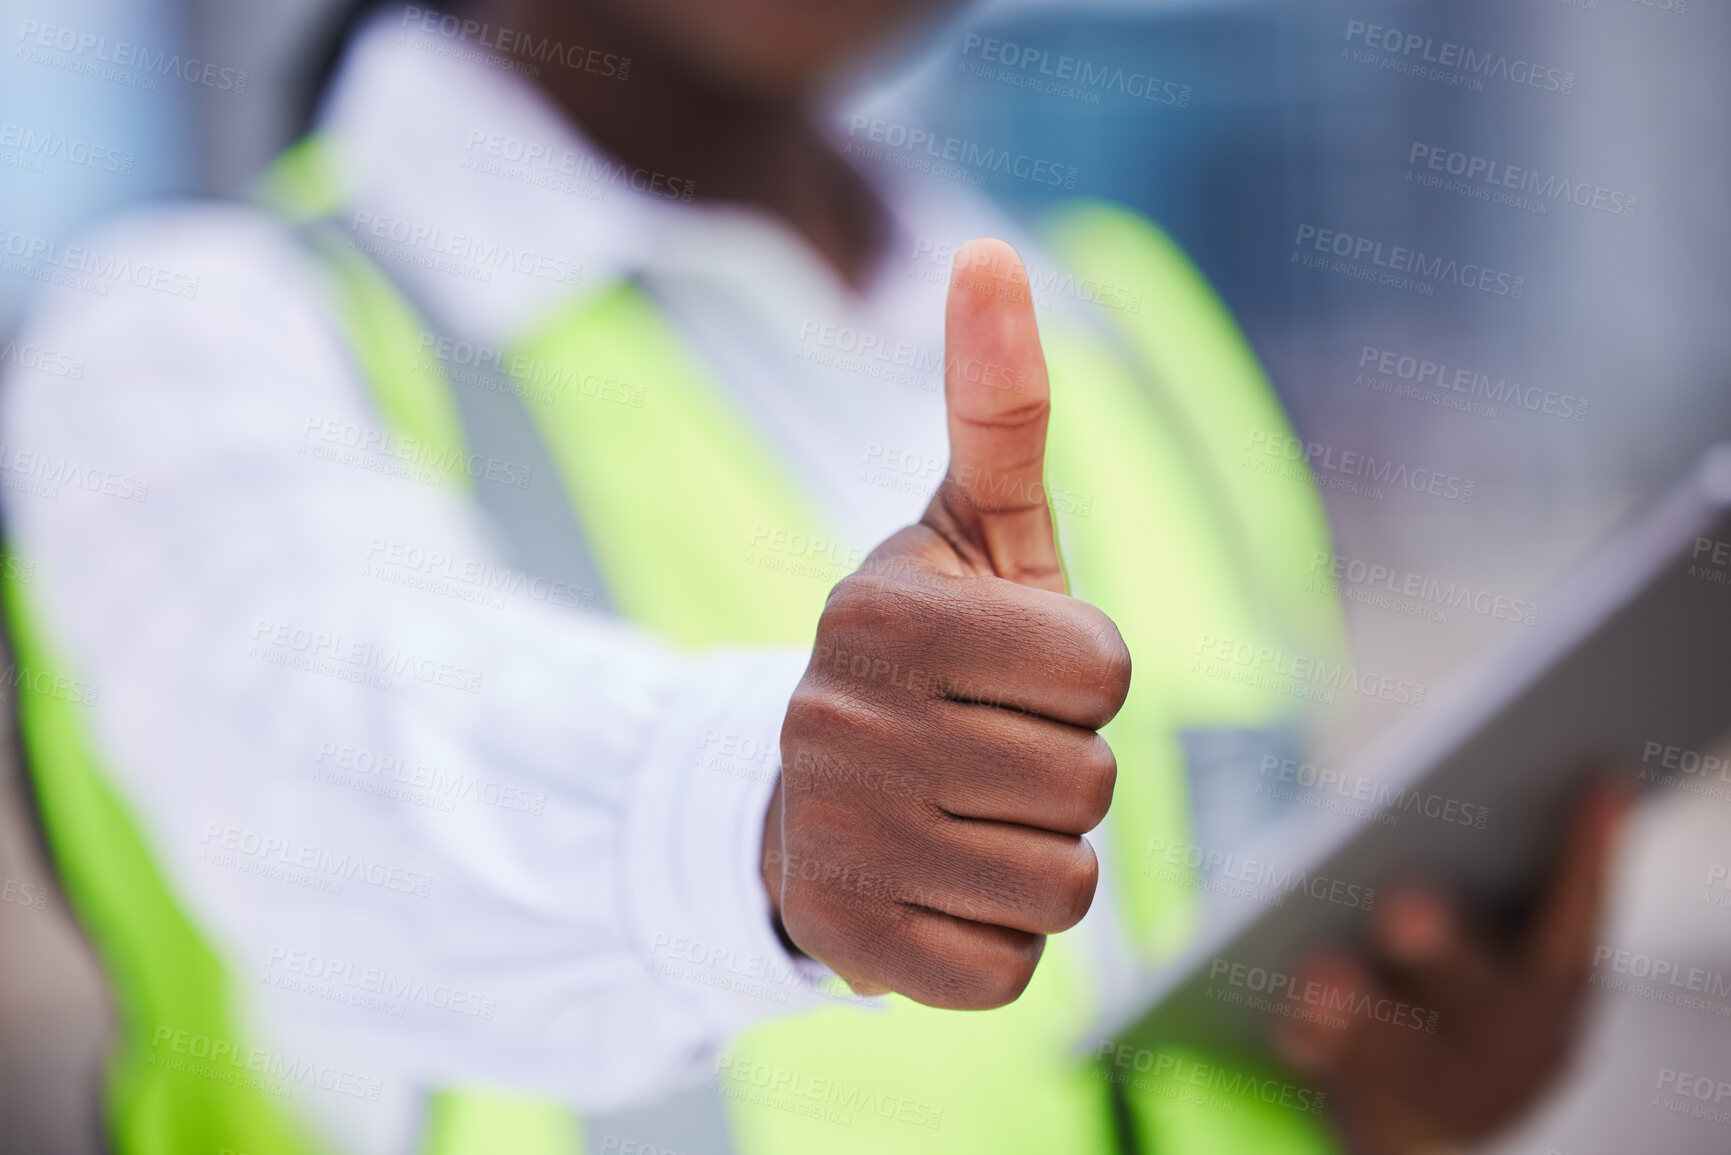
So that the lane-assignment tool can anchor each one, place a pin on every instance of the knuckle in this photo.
(866, 605)
(1111, 662)
(808, 729)
(870, 626)
(807, 710)
(1003, 974)
(991, 969)
(962, 967)
(1101, 664)
(860, 755)
(1073, 888)
(826, 928)
(821, 718)
(1096, 779)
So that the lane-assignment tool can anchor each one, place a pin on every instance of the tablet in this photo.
(1628, 665)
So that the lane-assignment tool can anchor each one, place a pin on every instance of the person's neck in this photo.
(726, 145)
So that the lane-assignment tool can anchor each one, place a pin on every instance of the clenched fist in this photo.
(940, 761)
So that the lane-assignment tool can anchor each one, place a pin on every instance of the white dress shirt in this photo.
(447, 828)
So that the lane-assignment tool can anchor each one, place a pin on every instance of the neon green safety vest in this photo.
(1175, 539)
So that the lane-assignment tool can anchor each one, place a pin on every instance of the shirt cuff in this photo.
(694, 845)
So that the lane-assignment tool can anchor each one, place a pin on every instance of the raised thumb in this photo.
(992, 505)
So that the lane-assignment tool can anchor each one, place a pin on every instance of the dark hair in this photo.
(329, 46)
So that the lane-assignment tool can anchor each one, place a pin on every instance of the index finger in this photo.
(1557, 950)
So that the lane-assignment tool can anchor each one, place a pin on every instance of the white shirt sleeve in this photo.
(456, 831)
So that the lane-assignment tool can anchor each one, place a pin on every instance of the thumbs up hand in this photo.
(940, 761)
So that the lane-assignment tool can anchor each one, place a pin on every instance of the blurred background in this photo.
(1587, 167)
